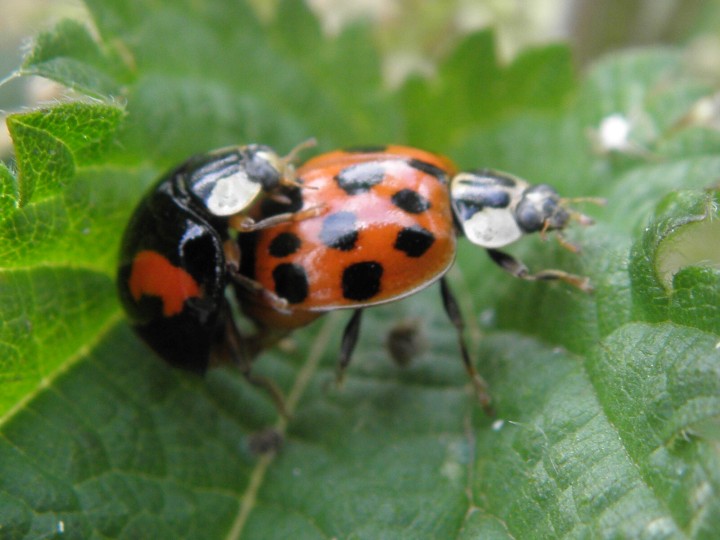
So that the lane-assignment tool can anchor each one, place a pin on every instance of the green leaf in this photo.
(69, 54)
(696, 295)
(50, 143)
(660, 387)
(50, 314)
(8, 192)
(219, 85)
(607, 403)
(608, 445)
(473, 91)
(685, 233)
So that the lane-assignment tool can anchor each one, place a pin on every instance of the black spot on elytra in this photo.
(414, 241)
(284, 244)
(248, 245)
(429, 168)
(369, 149)
(291, 282)
(339, 231)
(360, 178)
(410, 201)
(361, 281)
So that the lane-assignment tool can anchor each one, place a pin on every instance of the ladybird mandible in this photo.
(178, 254)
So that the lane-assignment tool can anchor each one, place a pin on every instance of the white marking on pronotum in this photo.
(232, 194)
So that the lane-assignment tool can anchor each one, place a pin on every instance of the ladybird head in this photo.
(540, 209)
(494, 209)
(229, 180)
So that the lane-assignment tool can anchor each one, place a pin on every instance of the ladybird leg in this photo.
(453, 312)
(513, 266)
(242, 223)
(349, 340)
(254, 289)
(567, 244)
(249, 286)
(240, 355)
(232, 255)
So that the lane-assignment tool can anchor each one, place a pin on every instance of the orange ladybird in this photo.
(386, 227)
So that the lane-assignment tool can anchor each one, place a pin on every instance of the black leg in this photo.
(349, 340)
(250, 288)
(235, 347)
(513, 266)
(247, 287)
(453, 311)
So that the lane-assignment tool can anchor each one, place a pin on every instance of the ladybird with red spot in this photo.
(178, 254)
(389, 226)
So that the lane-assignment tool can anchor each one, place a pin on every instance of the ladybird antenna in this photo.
(565, 243)
(575, 215)
(581, 218)
(287, 162)
(598, 201)
(293, 154)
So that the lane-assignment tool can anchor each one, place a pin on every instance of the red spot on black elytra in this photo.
(152, 274)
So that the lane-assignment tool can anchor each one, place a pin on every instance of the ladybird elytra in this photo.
(152, 274)
(386, 231)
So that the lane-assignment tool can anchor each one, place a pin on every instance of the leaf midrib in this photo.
(317, 351)
(82, 352)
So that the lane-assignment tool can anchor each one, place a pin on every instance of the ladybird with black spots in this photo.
(178, 254)
(386, 229)
(389, 227)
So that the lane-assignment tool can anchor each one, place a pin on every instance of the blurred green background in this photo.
(414, 34)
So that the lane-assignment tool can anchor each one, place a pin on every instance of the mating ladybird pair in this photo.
(347, 230)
